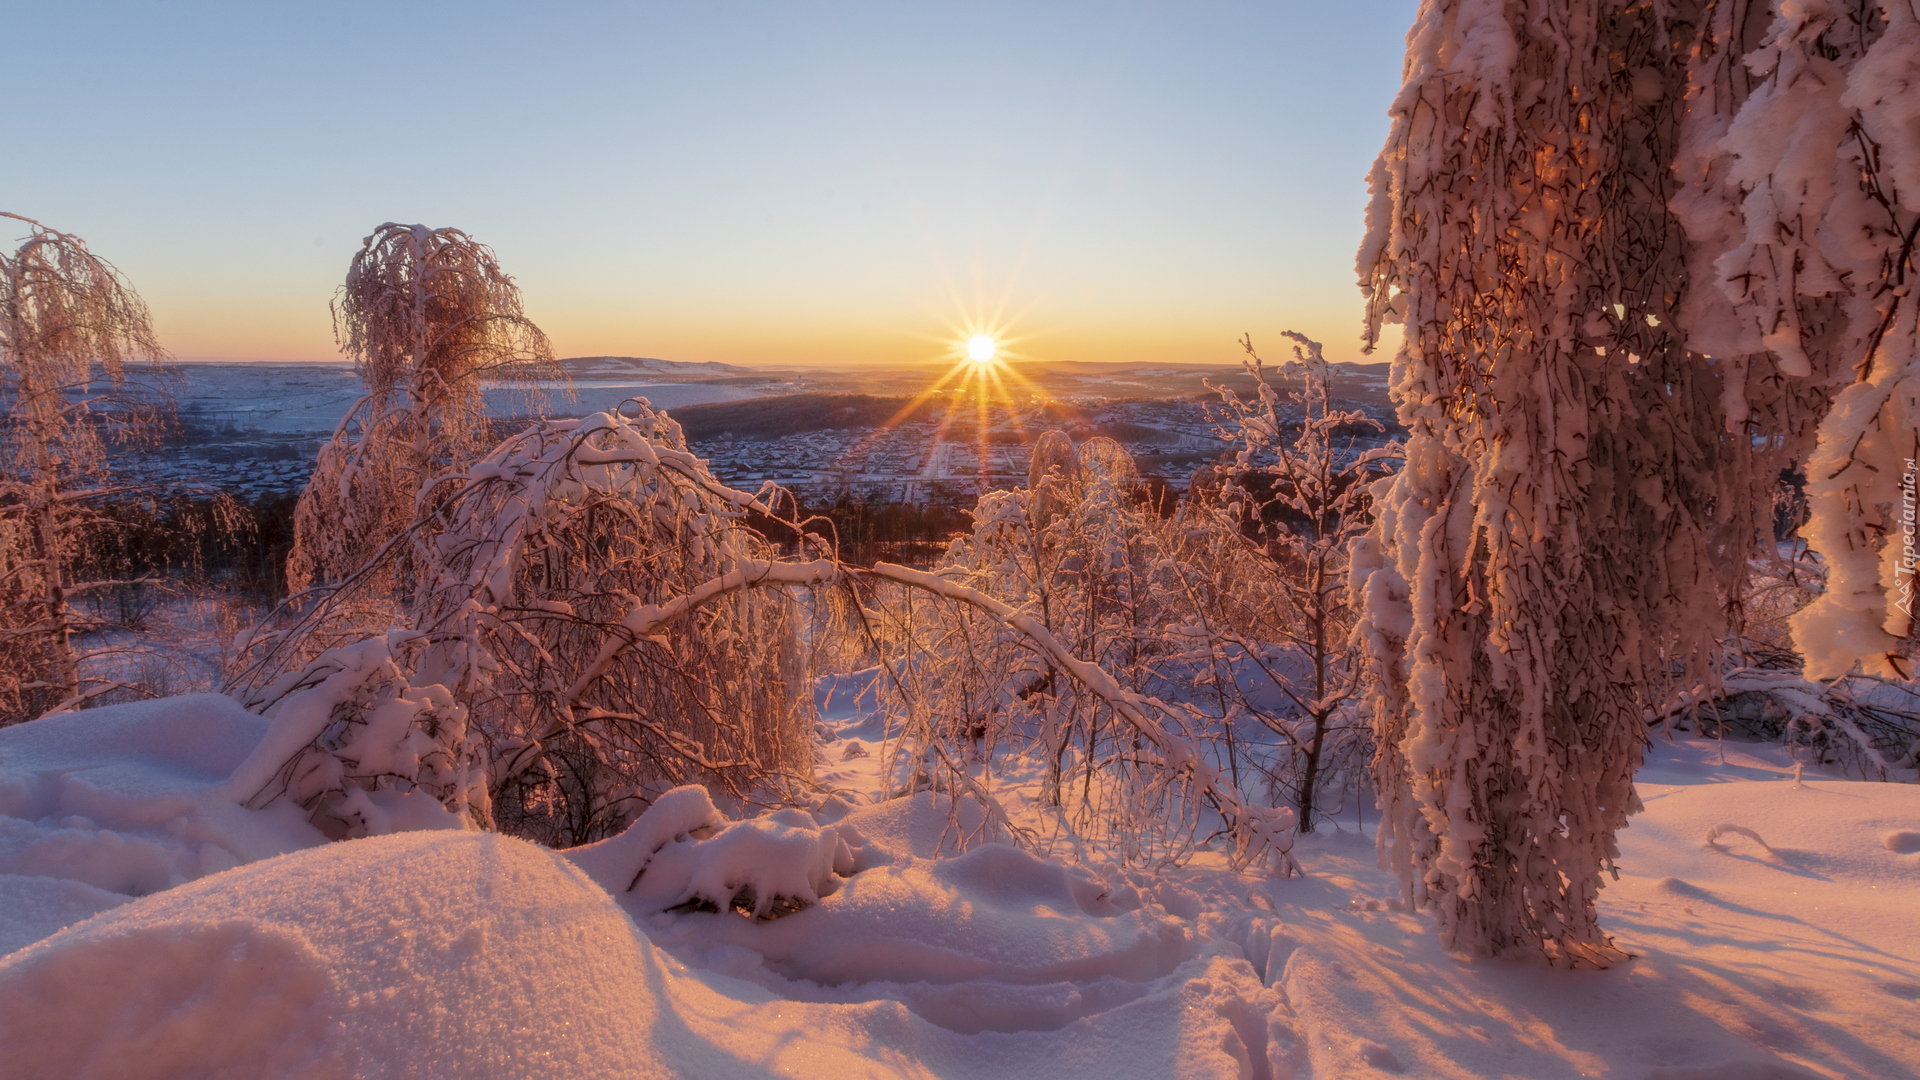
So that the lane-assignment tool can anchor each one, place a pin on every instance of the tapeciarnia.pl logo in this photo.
(1904, 569)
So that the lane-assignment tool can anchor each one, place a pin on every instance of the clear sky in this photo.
(753, 183)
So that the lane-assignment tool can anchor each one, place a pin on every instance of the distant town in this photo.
(253, 429)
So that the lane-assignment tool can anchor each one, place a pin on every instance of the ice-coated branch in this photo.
(645, 619)
(1257, 830)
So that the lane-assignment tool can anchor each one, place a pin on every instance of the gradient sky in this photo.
(750, 183)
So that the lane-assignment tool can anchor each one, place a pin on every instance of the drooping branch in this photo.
(646, 619)
(1257, 830)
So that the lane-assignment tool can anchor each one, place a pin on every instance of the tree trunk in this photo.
(1312, 778)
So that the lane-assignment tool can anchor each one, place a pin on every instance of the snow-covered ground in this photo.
(203, 939)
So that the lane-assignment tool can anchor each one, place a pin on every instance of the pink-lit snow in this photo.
(208, 940)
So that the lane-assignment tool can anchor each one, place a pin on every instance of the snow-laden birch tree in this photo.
(429, 319)
(1645, 254)
(528, 678)
(1553, 549)
(69, 326)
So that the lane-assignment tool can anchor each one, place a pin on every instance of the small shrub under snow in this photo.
(683, 854)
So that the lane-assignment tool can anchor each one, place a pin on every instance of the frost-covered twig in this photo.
(1257, 830)
(1718, 831)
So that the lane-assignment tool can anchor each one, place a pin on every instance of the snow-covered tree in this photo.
(429, 319)
(69, 327)
(1296, 490)
(1075, 550)
(549, 645)
(1801, 159)
(1563, 533)
(1069, 630)
(1645, 255)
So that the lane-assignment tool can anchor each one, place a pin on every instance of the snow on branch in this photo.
(1801, 162)
(541, 577)
(1258, 831)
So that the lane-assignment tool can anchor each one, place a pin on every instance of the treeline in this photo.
(868, 528)
(242, 545)
(238, 544)
(794, 414)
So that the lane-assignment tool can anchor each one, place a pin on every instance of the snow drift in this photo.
(124, 801)
(474, 955)
(414, 954)
(449, 952)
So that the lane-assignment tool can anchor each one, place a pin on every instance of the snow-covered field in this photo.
(154, 928)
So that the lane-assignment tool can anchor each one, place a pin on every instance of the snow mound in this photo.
(924, 825)
(619, 862)
(995, 913)
(127, 798)
(474, 955)
(682, 851)
(994, 939)
(435, 954)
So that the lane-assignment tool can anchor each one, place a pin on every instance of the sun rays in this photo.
(982, 376)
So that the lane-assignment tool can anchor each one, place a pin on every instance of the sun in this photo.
(984, 379)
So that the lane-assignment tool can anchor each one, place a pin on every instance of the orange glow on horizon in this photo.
(283, 328)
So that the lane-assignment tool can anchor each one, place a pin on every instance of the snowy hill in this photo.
(283, 399)
(193, 950)
(275, 398)
(620, 367)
